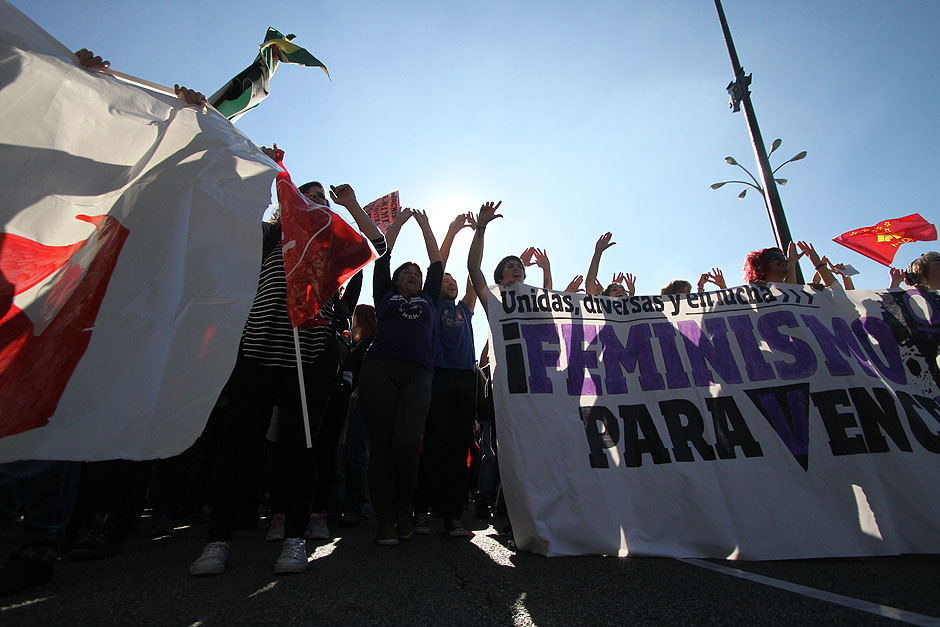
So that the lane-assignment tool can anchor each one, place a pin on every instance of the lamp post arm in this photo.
(741, 182)
(752, 177)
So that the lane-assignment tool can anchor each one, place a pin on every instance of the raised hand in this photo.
(458, 223)
(488, 214)
(575, 285)
(403, 215)
(421, 217)
(702, 280)
(810, 252)
(88, 60)
(541, 259)
(344, 195)
(630, 281)
(718, 278)
(190, 96)
(603, 243)
(276, 154)
(527, 255)
(897, 277)
(792, 251)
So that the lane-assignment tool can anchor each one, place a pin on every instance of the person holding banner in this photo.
(265, 374)
(395, 381)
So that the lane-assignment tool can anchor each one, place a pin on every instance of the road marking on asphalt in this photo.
(263, 589)
(838, 599)
(16, 606)
(520, 615)
(493, 549)
(323, 550)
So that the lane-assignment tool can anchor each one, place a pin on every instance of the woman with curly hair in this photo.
(770, 265)
(924, 271)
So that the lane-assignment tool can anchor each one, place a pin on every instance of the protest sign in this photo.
(756, 422)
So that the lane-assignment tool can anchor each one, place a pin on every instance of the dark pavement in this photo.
(438, 580)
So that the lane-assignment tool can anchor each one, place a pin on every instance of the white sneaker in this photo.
(316, 529)
(212, 560)
(293, 557)
(276, 530)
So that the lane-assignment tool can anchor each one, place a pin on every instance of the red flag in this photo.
(880, 242)
(321, 252)
(383, 210)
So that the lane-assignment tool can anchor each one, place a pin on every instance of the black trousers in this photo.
(448, 432)
(250, 396)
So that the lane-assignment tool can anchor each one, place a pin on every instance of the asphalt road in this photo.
(438, 580)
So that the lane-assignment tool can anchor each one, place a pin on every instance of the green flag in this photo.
(252, 85)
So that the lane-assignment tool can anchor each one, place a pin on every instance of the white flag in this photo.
(128, 259)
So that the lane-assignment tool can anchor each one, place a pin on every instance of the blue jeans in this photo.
(44, 492)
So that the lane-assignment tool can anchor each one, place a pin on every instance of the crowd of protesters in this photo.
(396, 400)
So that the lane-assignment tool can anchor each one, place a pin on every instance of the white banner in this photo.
(771, 422)
(129, 257)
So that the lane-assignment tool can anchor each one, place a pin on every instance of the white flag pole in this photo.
(303, 390)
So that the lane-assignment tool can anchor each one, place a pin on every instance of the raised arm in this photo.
(434, 253)
(352, 291)
(469, 295)
(392, 233)
(458, 223)
(839, 268)
(603, 243)
(541, 260)
(821, 266)
(345, 195)
(475, 257)
(793, 258)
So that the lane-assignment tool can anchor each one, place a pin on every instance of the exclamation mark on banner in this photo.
(515, 362)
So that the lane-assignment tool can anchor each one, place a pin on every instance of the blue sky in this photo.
(581, 117)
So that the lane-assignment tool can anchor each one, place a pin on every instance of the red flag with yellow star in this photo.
(880, 242)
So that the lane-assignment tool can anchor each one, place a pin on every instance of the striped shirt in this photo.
(268, 336)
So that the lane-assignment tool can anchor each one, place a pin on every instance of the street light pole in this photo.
(741, 97)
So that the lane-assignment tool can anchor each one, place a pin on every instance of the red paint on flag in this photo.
(35, 368)
(880, 242)
(321, 252)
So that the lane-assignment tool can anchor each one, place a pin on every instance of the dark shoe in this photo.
(422, 525)
(350, 518)
(405, 524)
(455, 528)
(483, 511)
(103, 539)
(160, 525)
(22, 573)
(386, 535)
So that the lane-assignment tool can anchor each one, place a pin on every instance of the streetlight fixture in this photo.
(755, 184)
